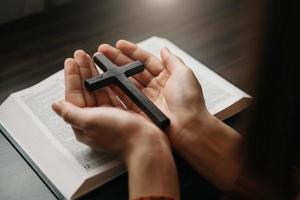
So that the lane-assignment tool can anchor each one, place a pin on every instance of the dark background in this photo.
(224, 35)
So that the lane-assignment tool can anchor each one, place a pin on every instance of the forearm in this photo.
(152, 171)
(214, 150)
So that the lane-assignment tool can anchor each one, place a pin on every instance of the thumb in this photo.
(72, 114)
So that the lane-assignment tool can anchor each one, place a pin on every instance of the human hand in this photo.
(208, 144)
(98, 118)
(169, 83)
(100, 121)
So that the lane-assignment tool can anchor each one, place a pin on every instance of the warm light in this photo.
(160, 2)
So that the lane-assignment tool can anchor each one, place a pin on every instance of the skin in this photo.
(108, 120)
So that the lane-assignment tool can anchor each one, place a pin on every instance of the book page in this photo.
(218, 93)
(28, 117)
(37, 100)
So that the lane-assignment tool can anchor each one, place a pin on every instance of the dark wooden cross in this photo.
(114, 74)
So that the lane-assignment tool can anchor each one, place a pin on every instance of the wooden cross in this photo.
(114, 74)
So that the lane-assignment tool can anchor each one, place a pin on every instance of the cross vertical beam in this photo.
(114, 74)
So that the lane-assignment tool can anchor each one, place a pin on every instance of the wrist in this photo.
(213, 149)
(145, 138)
(195, 127)
(151, 167)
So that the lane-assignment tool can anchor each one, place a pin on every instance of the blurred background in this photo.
(13, 9)
(225, 35)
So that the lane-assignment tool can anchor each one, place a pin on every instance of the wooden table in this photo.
(224, 35)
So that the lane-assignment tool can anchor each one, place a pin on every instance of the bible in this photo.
(69, 168)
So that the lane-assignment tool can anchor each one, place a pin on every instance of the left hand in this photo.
(100, 121)
(98, 118)
(110, 129)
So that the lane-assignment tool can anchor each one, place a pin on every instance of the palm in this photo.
(164, 88)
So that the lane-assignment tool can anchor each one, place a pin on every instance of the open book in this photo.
(72, 169)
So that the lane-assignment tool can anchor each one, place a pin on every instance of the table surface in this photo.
(224, 35)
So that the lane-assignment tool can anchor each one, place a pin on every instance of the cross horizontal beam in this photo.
(118, 75)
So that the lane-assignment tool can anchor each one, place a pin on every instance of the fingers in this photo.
(73, 86)
(101, 127)
(172, 62)
(103, 95)
(86, 120)
(116, 56)
(73, 115)
(76, 71)
(153, 64)
(83, 61)
(119, 58)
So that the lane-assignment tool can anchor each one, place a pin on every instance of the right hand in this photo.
(170, 84)
(208, 144)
